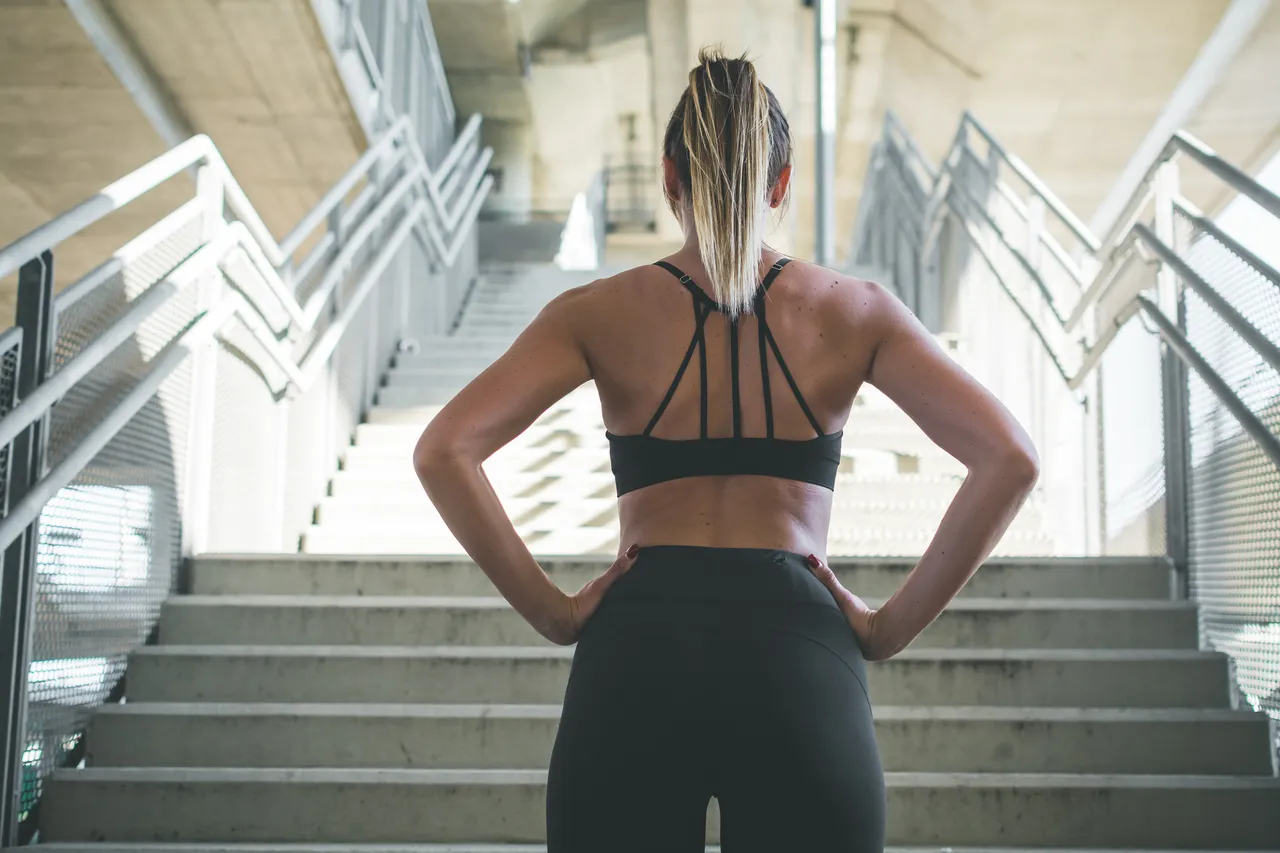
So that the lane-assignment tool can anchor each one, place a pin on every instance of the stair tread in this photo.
(326, 775)
(303, 847)
(494, 602)
(566, 652)
(986, 713)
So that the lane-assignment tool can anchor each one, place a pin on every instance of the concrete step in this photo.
(403, 398)
(1092, 578)
(232, 847)
(523, 674)
(1054, 810)
(942, 739)
(490, 621)
(419, 415)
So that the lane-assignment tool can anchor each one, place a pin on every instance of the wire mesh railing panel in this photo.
(108, 554)
(109, 542)
(1234, 489)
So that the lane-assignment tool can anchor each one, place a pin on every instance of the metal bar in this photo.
(1209, 227)
(111, 198)
(36, 403)
(17, 582)
(1023, 171)
(1026, 315)
(1050, 302)
(241, 237)
(469, 130)
(338, 267)
(135, 248)
(1116, 264)
(315, 360)
(1261, 344)
(345, 184)
(29, 508)
(1094, 353)
(1182, 347)
(1238, 180)
(449, 253)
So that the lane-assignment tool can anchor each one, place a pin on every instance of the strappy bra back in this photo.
(642, 460)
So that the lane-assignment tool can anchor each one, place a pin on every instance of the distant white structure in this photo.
(578, 249)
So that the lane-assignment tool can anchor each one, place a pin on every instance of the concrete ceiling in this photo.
(1072, 88)
(67, 129)
(489, 46)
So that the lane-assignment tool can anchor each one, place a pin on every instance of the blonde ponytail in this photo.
(735, 143)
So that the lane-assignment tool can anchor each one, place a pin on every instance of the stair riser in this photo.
(167, 740)
(437, 626)
(391, 812)
(233, 677)
(417, 516)
(462, 577)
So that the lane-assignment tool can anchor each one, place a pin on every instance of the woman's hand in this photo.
(861, 617)
(577, 609)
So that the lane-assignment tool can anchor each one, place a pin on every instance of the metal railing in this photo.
(191, 393)
(1173, 443)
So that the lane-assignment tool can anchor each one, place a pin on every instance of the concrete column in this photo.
(824, 14)
(671, 55)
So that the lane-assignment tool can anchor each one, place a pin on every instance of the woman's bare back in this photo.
(637, 327)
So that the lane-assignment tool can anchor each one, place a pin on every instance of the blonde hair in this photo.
(730, 142)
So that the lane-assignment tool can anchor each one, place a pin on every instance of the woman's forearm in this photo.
(473, 513)
(978, 516)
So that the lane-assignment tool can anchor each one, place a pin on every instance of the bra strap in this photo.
(733, 368)
(700, 317)
(795, 389)
(764, 364)
(699, 295)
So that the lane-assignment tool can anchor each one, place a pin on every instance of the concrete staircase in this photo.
(364, 701)
(346, 700)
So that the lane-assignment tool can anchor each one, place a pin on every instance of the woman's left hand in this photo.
(578, 608)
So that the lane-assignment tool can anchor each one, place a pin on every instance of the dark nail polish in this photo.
(814, 562)
(632, 551)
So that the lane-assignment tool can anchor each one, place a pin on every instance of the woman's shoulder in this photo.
(840, 298)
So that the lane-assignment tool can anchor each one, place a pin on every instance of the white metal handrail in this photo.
(443, 225)
(1118, 245)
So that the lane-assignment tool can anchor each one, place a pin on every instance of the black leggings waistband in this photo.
(700, 573)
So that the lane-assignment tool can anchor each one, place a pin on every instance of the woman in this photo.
(719, 655)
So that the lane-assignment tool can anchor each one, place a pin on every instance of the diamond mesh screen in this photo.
(1234, 493)
(110, 542)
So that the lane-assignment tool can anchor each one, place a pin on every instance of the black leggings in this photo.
(716, 672)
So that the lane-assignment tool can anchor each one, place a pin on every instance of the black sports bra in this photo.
(642, 460)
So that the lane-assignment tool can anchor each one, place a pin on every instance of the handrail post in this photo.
(196, 508)
(1174, 402)
(17, 583)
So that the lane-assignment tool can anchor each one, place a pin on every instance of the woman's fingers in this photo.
(584, 604)
(853, 607)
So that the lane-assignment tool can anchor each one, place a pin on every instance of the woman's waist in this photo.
(757, 514)
(713, 576)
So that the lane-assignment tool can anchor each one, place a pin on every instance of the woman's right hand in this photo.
(862, 618)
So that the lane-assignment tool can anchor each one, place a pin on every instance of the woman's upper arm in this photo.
(544, 363)
(949, 405)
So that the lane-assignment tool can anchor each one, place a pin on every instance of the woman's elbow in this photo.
(432, 454)
(1021, 464)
